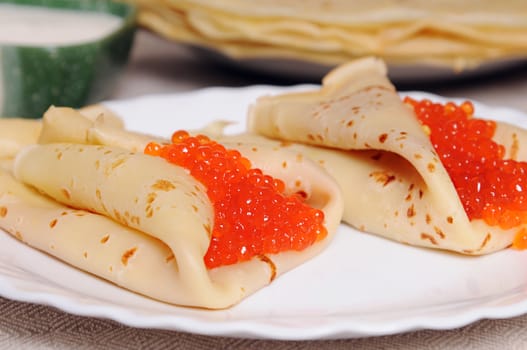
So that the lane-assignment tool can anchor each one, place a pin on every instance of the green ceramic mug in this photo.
(36, 75)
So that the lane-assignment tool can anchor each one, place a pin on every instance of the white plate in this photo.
(400, 73)
(361, 285)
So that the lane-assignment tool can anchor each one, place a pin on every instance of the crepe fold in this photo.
(137, 220)
(393, 182)
(446, 32)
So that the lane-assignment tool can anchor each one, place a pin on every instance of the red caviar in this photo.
(490, 187)
(252, 215)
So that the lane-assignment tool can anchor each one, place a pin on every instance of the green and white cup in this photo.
(35, 74)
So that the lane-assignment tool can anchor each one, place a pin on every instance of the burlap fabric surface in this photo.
(31, 326)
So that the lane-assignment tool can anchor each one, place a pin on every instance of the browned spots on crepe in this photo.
(271, 264)
(3, 212)
(310, 137)
(18, 235)
(208, 229)
(118, 163)
(421, 193)
(163, 185)
(105, 239)
(450, 219)
(97, 164)
(383, 137)
(98, 194)
(439, 232)
(85, 254)
(150, 198)
(127, 255)
(431, 167)
(428, 219)
(298, 183)
(418, 156)
(135, 220)
(195, 208)
(349, 124)
(66, 193)
(59, 155)
(408, 197)
(284, 164)
(410, 212)
(120, 217)
(515, 146)
(254, 149)
(382, 177)
(427, 237)
(402, 136)
(53, 223)
(107, 152)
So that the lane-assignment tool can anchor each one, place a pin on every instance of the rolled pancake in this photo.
(393, 181)
(15, 133)
(155, 201)
(70, 125)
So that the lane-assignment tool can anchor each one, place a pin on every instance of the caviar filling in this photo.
(490, 187)
(252, 215)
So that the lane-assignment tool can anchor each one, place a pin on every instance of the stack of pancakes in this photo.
(446, 33)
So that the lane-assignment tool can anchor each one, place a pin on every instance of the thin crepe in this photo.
(137, 220)
(393, 182)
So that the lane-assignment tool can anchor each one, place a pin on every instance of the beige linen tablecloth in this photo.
(158, 66)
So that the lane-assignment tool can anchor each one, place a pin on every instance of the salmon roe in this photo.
(252, 215)
(490, 187)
